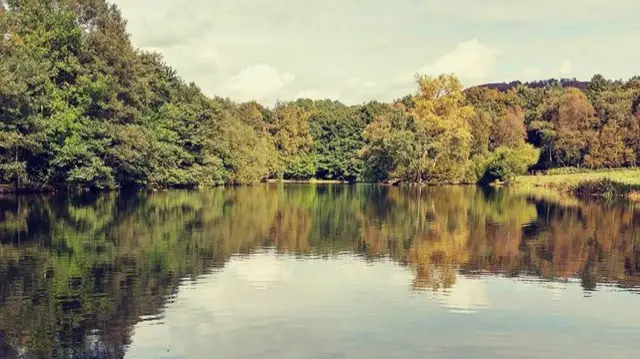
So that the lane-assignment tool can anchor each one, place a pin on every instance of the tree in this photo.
(337, 137)
(244, 154)
(509, 129)
(293, 141)
(498, 120)
(81, 107)
(433, 142)
(617, 134)
(390, 147)
(508, 162)
(481, 127)
(256, 116)
(608, 149)
(574, 124)
(598, 84)
(442, 130)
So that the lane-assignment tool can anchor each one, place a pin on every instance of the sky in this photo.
(360, 50)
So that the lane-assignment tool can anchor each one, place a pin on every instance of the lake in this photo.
(319, 271)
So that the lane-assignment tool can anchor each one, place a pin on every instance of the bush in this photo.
(604, 188)
(299, 168)
(565, 171)
(94, 175)
(575, 170)
(507, 163)
(15, 173)
(476, 168)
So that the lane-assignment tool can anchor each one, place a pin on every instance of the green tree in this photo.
(244, 154)
(508, 162)
(337, 137)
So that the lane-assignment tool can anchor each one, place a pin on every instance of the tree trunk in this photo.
(18, 176)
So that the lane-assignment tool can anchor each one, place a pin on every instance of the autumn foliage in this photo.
(81, 107)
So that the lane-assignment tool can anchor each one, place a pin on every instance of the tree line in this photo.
(81, 107)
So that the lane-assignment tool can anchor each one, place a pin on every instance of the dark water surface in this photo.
(326, 271)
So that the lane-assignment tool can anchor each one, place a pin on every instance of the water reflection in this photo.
(79, 275)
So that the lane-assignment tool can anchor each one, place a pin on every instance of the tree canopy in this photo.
(81, 107)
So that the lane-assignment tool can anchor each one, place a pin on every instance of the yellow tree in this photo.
(293, 141)
(442, 131)
(290, 129)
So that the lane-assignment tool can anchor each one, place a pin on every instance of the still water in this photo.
(324, 271)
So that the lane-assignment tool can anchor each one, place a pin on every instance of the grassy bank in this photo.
(610, 184)
(309, 181)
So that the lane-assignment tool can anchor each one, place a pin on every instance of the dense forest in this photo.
(81, 107)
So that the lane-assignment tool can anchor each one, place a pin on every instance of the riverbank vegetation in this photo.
(81, 107)
(604, 183)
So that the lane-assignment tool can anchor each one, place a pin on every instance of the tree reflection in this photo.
(78, 272)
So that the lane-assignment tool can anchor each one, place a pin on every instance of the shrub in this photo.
(300, 167)
(566, 171)
(604, 188)
(507, 163)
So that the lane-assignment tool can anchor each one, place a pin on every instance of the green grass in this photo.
(614, 183)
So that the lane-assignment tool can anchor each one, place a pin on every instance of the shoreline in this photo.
(311, 181)
(610, 184)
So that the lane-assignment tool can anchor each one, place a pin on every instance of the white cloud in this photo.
(472, 61)
(210, 42)
(167, 23)
(191, 58)
(338, 299)
(261, 82)
(262, 271)
(209, 55)
(566, 67)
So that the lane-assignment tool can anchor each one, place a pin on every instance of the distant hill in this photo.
(503, 86)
